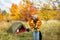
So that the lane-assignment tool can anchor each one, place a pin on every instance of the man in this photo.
(35, 24)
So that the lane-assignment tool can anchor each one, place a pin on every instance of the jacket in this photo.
(35, 24)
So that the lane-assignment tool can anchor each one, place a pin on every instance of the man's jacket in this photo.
(35, 24)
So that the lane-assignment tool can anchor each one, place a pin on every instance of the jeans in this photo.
(35, 35)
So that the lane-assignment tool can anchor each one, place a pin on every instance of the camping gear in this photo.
(28, 30)
(17, 27)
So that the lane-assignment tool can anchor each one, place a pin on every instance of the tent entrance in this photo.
(20, 30)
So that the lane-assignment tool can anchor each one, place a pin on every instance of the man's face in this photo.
(35, 16)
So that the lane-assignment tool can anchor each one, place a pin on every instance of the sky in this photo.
(6, 4)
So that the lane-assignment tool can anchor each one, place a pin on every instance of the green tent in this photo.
(16, 25)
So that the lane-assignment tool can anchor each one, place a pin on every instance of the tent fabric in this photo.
(15, 26)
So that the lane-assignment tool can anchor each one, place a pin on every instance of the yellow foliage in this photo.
(47, 14)
(1, 17)
(14, 9)
(21, 6)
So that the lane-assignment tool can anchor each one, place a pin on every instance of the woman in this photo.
(35, 24)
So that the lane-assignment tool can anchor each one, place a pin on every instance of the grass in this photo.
(8, 36)
(50, 31)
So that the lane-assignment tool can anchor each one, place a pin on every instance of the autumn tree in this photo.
(1, 16)
(4, 12)
(14, 12)
(5, 15)
(47, 14)
(26, 9)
